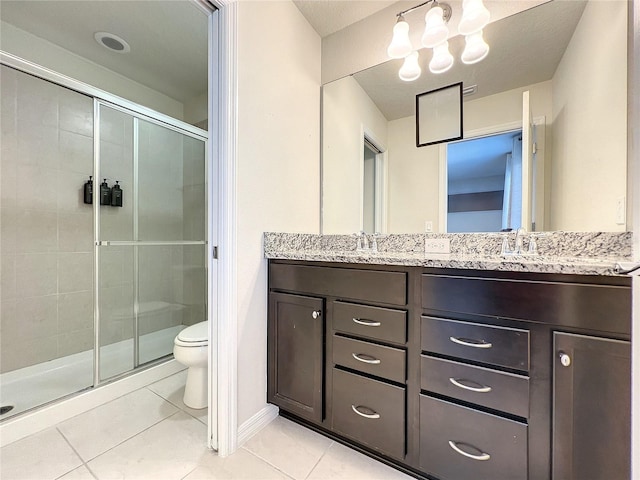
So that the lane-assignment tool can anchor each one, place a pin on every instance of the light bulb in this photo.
(442, 59)
(475, 49)
(410, 69)
(400, 45)
(435, 30)
(475, 17)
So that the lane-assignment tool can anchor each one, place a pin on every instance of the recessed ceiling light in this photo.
(112, 42)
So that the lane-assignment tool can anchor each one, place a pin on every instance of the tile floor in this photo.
(151, 434)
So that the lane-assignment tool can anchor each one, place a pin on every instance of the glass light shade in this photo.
(475, 17)
(442, 59)
(400, 45)
(435, 30)
(475, 49)
(410, 69)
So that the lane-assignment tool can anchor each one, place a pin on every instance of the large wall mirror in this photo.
(553, 89)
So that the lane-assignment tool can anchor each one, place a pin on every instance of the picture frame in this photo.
(439, 115)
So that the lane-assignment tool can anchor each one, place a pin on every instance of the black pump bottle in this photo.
(105, 193)
(88, 191)
(116, 195)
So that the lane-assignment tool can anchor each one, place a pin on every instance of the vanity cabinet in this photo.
(454, 374)
(296, 353)
(591, 407)
(347, 369)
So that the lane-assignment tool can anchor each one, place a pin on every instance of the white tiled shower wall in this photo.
(46, 272)
(46, 230)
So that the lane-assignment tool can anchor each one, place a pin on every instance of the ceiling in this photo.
(155, 29)
(161, 33)
(525, 49)
(481, 157)
(329, 16)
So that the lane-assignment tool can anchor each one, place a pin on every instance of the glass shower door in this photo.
(152, 238)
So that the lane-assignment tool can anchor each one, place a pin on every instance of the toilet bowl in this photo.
(190, 349)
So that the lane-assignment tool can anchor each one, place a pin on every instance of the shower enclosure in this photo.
(97, 276)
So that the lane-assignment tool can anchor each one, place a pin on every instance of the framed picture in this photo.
(439, 115)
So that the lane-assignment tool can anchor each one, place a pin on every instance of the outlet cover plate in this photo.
(437, 245)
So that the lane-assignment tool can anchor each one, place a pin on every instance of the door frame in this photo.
(633, 218)
(223, 336)
(538, 122)
(381, 169)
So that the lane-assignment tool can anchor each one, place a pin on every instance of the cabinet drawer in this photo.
(498, 390)
(506, 347)
(370, 412)
(591, 306)
(369, 285)
(371, 322)
(378, 360)
(458, 442)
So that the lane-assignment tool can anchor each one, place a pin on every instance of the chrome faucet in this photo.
(374, 242)
(518, 249)
(363, 241)
(520, 234)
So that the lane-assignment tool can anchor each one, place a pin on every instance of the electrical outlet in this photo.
(621, 211)
(437, 245)
(428, 226)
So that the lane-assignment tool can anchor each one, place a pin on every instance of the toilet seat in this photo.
(194, 336)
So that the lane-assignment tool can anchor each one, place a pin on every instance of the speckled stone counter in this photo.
(582, 253)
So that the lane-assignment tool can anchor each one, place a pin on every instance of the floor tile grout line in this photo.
(133, 436)
(191, 471)
(320, 459)
(77, 453)
(268, 463)
(175, 405)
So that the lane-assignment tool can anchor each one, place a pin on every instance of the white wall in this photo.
(195, 109)
(348, 114)
(592, 127)
(37, 50)
(278, 165)
(412, 179)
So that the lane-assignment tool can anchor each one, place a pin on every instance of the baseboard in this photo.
(31, 422)
(256, 423)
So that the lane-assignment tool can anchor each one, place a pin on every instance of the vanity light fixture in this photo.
(410, 69)
(400, 45)
(475, 17)
(475, 49)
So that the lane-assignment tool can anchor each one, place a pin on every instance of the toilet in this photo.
(190, 349)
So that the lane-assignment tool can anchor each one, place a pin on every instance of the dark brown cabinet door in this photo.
(296, 354)
(591, 408)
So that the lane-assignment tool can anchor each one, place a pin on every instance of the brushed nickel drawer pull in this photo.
(366, 323)
(481, 389)
(370, 360)
(471, 343)
(365, 415)
(482, 457)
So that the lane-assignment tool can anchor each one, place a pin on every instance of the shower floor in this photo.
(36, 385)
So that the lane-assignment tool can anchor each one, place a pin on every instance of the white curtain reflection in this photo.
(512, 203)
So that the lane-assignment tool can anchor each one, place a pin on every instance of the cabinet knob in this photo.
(316, 313)
(565, 359)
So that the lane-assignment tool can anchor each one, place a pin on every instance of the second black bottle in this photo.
(105, 193)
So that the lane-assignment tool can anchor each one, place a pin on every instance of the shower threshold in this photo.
(36, 385)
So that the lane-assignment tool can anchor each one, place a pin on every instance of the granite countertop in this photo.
(598, 254)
